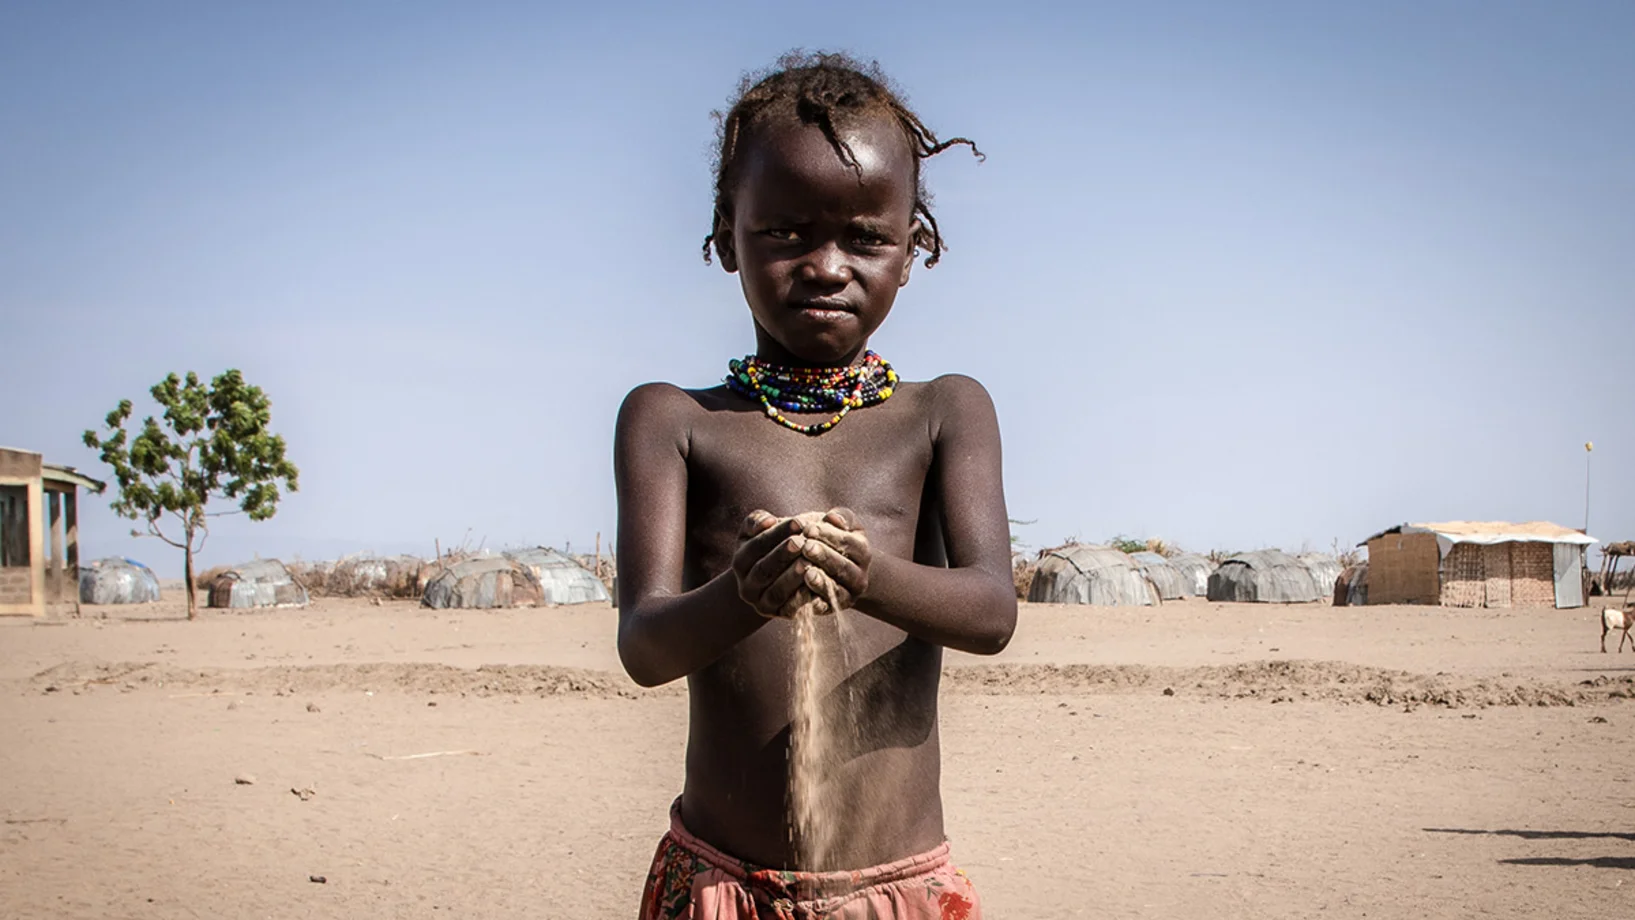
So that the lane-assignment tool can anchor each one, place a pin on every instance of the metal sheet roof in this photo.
(1494, 532)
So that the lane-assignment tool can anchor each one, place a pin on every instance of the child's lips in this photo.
(828, 310)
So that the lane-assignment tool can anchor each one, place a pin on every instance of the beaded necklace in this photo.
(812, 389)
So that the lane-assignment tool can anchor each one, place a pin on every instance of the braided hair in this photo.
(818, 89)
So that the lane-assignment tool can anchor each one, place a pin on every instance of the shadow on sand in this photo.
(1597, 862)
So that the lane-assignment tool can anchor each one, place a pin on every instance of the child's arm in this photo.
(665, 632)
(971, 604)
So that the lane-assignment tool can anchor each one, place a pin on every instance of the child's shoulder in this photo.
(952, 397)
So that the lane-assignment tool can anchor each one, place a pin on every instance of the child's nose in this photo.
(826, 265)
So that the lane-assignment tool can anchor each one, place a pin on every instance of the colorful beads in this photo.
(812, 389)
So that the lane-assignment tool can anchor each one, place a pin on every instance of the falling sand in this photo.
(812, 732)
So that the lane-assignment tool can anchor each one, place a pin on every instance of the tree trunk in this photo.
(187, 571)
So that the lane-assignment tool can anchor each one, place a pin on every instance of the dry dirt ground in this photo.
(1196, 761)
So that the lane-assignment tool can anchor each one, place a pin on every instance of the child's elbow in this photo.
(1000, 625)
(643, 667)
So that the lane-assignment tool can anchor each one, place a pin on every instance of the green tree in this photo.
(214, 442)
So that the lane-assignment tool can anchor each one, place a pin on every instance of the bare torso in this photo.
(881, 685)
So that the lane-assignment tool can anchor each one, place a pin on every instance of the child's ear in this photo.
(725, 250)
(913, 253)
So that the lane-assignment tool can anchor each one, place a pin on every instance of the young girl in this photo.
(820, 210)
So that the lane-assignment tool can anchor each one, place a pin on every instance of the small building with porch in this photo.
(1478, 564)
(39, 535)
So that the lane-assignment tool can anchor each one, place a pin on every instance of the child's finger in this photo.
(821, 585)
(756, 522)
(844, 518)
(756, 548)
(818, 598)
(845, 572)
(853, 544)
(783, 587)
(753, 584)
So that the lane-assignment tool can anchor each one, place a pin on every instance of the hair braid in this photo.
(814, 89)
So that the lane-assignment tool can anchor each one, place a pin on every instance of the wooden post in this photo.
(36, 548)
(53, 593)
(70, 502)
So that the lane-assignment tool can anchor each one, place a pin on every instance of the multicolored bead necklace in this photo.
(812, 389)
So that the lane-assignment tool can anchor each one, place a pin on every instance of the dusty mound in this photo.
(1286, 681)
(1269, 681)
(489, 680)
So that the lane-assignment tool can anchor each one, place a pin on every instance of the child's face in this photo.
(821, 250)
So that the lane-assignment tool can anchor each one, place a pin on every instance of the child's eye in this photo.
(871, 239)
(781, 233)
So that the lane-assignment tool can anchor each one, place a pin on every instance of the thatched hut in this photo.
(1169, 581)
(1478, 564)
(365, 575)
(1196, 569)
(262, 583)
(117, 581)
(1266, 576)
(561, 579)
(483, 582)
(1325, 569)
(1351, 588)
(1089, 574)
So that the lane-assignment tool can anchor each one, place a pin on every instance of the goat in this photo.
(1621, 620)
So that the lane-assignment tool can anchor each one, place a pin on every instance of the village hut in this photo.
(1351, 588)
(1196, 570)
(561, 579)
(1170, 582)
(1325, 569)
(482, 582)
(262, 583)
(1266, 576)
(1478, 564)
(1090, 574)
(39, 534)
(365, 575)
(117, 581)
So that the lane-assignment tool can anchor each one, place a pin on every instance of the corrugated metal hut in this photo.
(117, 581)
(1172, 585)
(1266, 576)
(561, 579)
(1197, 569)
(1089, 574)
(1478, 564)
(1325, 569)
(483, 582)
(262, 583)
(1351, 588)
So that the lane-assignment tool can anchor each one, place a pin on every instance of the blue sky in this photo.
(1237, 275)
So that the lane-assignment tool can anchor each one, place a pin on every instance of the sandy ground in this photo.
(1201, 760)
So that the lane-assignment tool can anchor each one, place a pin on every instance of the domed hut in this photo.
(1351, 588)
(1171, 584)
(1090, 574)
(1325, 569)
(262, 583)
(482, 582)
(1265, 576)
(367, 575)
(561, 579)
(117, 581)
(1196, 569)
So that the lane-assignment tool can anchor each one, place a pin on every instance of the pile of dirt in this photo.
(1263, 681)
(488, 680)
(1287, 681)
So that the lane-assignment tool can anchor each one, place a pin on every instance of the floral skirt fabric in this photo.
(691, 879)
